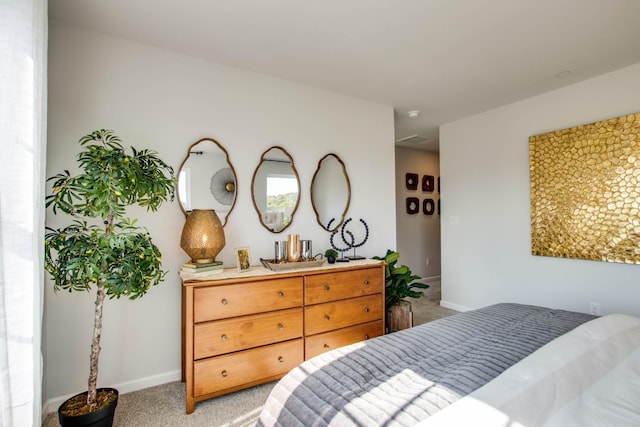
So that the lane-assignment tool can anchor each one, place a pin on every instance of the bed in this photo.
(499, 364)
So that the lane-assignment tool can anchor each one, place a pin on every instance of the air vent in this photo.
(414, 139)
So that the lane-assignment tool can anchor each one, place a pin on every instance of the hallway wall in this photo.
(417, 235)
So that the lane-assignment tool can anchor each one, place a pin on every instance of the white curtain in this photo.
(23, 53)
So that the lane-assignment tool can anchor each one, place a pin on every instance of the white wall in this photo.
(484, 161)
(165, 101)
(418, 234)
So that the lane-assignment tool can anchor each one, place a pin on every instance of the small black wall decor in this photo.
(413, 205)
(411, 180)
(428, 183)
(428, 206)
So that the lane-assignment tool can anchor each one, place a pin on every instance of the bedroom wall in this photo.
(418, 234)
(165, 101)
(484, 165)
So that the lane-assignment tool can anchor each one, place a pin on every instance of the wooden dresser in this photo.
(244, 329)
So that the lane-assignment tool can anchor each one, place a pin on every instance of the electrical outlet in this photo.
(594, 308)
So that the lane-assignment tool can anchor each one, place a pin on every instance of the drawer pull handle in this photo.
(366, 336)
(280, 294)
(281, 359)
(224, 374)
(327, 287)
(223, 337)
(366, 309)
(224, 301)
(280, 326)
(366, 282)
(326, 317)
(327, 346)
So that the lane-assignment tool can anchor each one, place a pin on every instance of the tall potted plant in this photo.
(116, 258)
(400, 283)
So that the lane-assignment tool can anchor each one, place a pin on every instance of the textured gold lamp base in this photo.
(202, 236)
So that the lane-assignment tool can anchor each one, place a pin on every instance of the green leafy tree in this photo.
(116, 258)
(400, 282)
(281, 201)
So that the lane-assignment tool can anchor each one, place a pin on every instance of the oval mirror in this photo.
(207, 180)
(275, 189)
(330, 192)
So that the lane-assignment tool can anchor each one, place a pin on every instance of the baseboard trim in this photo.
(431, 278)
(455, 307)
(52, 405)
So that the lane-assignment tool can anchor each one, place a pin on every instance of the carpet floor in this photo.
(163, 405)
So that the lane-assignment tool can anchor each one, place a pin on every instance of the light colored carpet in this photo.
(163, 405)
(428, 307)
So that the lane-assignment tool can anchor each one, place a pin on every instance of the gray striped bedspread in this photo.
(402, 378)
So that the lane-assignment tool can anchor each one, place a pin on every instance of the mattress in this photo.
(403, 378)
(589, 376)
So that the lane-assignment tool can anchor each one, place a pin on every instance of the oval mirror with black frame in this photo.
(207, 180)
(330, 192)
(275, 189)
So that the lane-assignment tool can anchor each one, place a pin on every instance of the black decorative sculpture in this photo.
(352, 239)
(349, 240)
(333, 245)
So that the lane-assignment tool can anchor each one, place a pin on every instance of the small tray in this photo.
(276, 266)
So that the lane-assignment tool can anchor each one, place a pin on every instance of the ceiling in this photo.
(447, 59)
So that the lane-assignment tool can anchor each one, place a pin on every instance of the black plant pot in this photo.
(103, 417)
(331, 259)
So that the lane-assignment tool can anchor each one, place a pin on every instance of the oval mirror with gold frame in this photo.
(330, 192)
(207, 179)
(275, 189)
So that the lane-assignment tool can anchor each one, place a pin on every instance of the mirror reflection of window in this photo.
(275, 189)
(282, 195)
(184, 186)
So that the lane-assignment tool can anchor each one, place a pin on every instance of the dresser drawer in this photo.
(232, 370)
(341, 285)
(340, 314)
(240, 333)
(219, 302)
(320, 343)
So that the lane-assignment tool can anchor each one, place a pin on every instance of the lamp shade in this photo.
(202, 236)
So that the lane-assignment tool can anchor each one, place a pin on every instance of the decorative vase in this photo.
(280, 252)
(202, 236)
(293, 247)
(103, 417)
(306, 250)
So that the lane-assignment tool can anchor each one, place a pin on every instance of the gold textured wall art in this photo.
(585, 191)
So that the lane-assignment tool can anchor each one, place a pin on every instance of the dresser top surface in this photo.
(260, 272)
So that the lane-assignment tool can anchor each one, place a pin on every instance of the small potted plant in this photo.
(331, 255)
(400, 283)
(116, 258)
